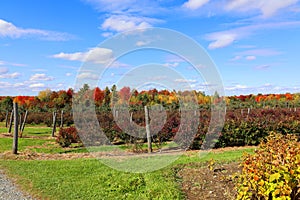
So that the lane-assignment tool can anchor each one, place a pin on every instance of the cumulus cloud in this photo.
(221, 39)
(3, 70)
(14, 75)
(262, 67)
(236, 87)
(225, 38)
(8, 29)
(142, 43)
(175, 64)
(88, 75)
(94, 55)
(41, 77)
(120, 23)
(194, 4)
(261, 52)
(37, 85)
(185, 81)
(250, 57)
(266, 7)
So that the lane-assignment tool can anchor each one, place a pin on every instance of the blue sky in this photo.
(255, 44)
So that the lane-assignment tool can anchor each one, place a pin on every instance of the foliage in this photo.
(67, 136)
(273, 172)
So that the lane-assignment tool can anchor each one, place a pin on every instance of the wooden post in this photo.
(61, 119)
(24, 121)
(148, 129)
(54, 124)
(20, 121)
(16, 126)
(6, 119)
(131, 115)
(11, 121)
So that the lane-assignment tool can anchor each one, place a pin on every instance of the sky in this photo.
(254, 44)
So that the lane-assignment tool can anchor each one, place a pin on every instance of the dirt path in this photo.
(8, 191)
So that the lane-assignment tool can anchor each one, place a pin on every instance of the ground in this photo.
(200, 182)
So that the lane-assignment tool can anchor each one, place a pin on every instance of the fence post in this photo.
(6, 119)
(20, 121)
(148, 129)
(54, 124)
(62, 119)
(11, 121)
(16, 126)
(24, 121)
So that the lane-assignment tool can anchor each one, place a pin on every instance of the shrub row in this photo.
(241, 128)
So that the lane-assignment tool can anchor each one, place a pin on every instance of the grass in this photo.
(90, 179)
(23, 143)
(32, 131)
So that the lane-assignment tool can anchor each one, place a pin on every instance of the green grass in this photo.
(224, 157)
(23, 143)
(90, 179)
(32, 131)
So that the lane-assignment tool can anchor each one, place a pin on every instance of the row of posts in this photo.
(14, 119)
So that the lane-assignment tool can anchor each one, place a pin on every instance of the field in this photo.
(47, 171)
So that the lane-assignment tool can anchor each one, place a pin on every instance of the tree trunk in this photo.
(10, 121)
(148, 129)
(16, 126)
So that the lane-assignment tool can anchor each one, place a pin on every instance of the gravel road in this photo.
(8, 190)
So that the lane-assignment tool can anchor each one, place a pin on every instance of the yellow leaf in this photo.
(275, 176)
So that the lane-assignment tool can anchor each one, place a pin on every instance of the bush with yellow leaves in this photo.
(273, 172)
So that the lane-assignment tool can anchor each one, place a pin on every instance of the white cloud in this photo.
(68, 74)
(267, 7)
(221, 39)
(225, 38)
(88, 75)
(39, 70)
(117, 64)
(139, 7)
(12, 64)
(41, 77)
(237, 87)
(14, 75)
(120, 23)
(195, 4)
(185, 80)
(106, 34)
(262, 67)
(113, 5)
(175, 64)
(250, 57)
(95, 55)
(142, 43)
(5, 85)
(261, 52)
(8, 29)
(3, 70)
(235, 58)
(37, 85)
